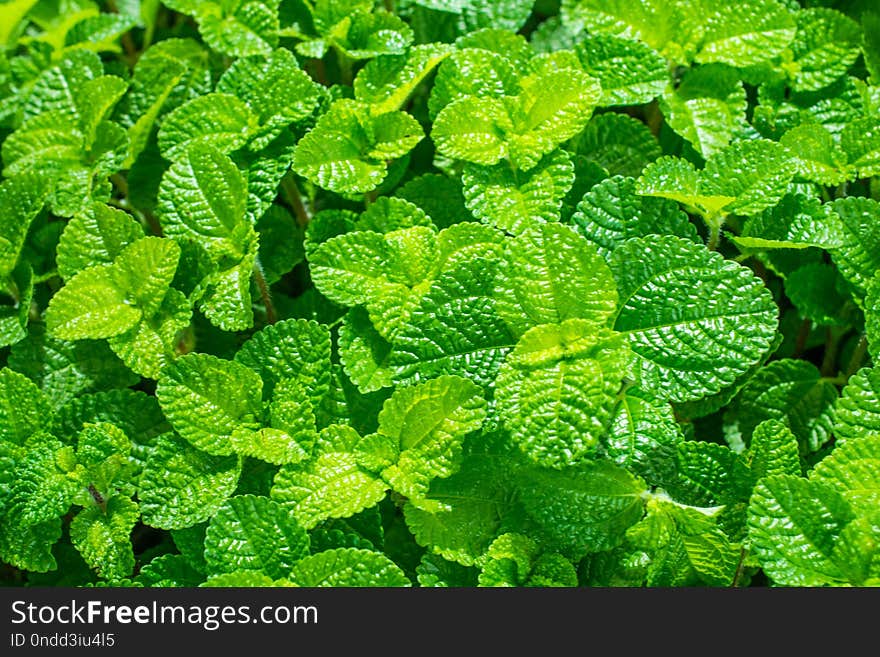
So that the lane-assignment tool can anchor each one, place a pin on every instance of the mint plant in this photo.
(419, 293)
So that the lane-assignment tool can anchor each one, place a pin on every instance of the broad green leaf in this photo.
(708, 107)
(819, 293)
(219, 120)
(472, 72)
(202, 197)
(239, 28)
(182, 486)
(641, 436)
(617, 142)
(388, 214)
(387, 81)
(793, 525)
(363, 352)
(371, 34)
(21, 200)
(858, 258)
(23, 408)
(796, 222)
(517, 560)
(746, 33)
(683, 347)
(860, 140)
(773, 450)
(207, 398)
(54, 89)
(551, 274)
(254, 534)
(94, 237)
(348, 567)
(90, 305)
(513, 200)
(473, 129)
(348, 149)
(225, 295)
(247, 579)
(585, 509)
(827, 43)
(170, 570)
(102, 536)
(853, 470)
(13, 13)
(630, 72)
(331, 484)
(292, 348)
(281, 243)
(857, 410)
(611, 213)
(143, 271)
(275, 88)
(556, 390)
(455, 329)
(818, 157)
(708, 474)
(427, 423)
(439, 196)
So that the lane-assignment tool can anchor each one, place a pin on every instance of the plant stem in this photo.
(346, 67)
(858, 355)
(832, 342)
(740, 567)
(802, 337)
(291, 194)
(271, 314)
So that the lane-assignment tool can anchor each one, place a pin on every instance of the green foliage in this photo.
(439, 293)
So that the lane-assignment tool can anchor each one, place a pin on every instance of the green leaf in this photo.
(857, 410)
(364, 35)
(472, 72)
(239, 28)
(202, 197)
(818, 292)
(796, 222)
(827, 43)
(617, 142)
(707, 474)
(348, 149)
(23, 408)
(860, 140)
(858, 258)
(254, 534)
(708, 107)
(517, 560)
(853, 470)
(746, 33)
(630, 72)
(95, 237)
(207, 398)
(427, 423)
(21, 200)
(611, 213)
(275, 88)
(585, 509)
(348, 567)
(102, 536)
(363, 352)
(219, 120)
(819, 158)
(551, 274)
(387, 81)
(793, 525)
(332, 484)
(683, 348)
(773, 450)
(440, 197)
(182, 486)
(512, 200)
(556, 390)
(170, 570)
(290, 349)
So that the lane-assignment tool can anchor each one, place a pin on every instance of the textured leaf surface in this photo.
(858, 258)
(251, 533)
(629, 72)
(103, 537)
(685, 348)
(746, 33)
(853, 469)
(348, 567)
(857, 411)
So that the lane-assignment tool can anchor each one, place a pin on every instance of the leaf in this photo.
(793, 525)
(219, 120)
(708, 107)
(852, 469)
(857, 410)
(860, 140)
(819, 158)
(348, 567)
(747, 33)
(858, 258)
(95, 237)
(472, 72)
(202, 197)
(617, 142)
(332, 484)
(103, 537)
(517, 560)
(630, 72)
(23, 408)
(512, 200)
(774, 450)
(21, 200)
(370, 34)
(207, 398)
(347, 150)
(170, 570)
(585, 509)
(684, 349)
(427, 423)
(239, 28)
(440, 197)
(254, 534)
(363, 352)
(796, 222)
(827, 43)
(708, 474)
(551, 274)
(818, 292)
(275, 88)
(611, 213)
(387, 81)
(556, 390)
(182, 486)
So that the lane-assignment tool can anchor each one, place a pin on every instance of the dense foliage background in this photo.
(439, 293)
